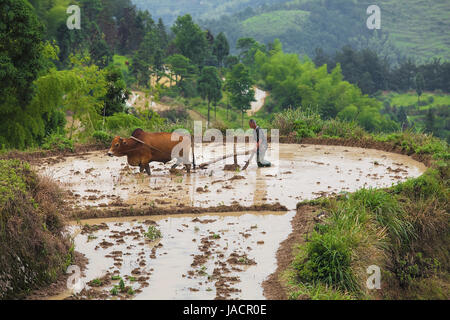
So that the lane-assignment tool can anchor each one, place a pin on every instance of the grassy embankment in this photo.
(403, 229)
(33, 251)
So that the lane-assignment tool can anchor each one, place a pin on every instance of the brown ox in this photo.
(150, 147)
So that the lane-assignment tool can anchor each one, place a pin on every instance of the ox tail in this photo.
(193, 148)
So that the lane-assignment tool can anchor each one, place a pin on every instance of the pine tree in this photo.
(190, 40)
(221, 48)
(429, 121)
(419, 87)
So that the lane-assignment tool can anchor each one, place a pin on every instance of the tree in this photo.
(69, 41)
(320, 57)
(133, 25)
(429, 121)
(221, 48)
(144, 58)
(190, 40)
(99, 50)
(419, 87)
(210, 86)
(21, 50)
(181, 67)
(248, 48)
(157, 67)
(403, 77)
(117, 93)
(231, 61)
(162, 33)
(100, 53)
(240, 86)
(86, 98)
(402, 117)
(349, 113)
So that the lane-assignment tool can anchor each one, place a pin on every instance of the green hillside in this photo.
(168, 10)
(415, 28)
(418, 27)
(274, 24)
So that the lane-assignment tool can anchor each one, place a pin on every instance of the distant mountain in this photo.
(413, 28)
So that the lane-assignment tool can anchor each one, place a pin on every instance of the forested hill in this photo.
(413, 28)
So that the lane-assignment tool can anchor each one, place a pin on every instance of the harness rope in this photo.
(140, 141)
(203, 165)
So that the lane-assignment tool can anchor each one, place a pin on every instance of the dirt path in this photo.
(139, 101)
(260, 97)
(197, 116)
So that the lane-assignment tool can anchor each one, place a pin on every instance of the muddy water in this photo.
(223, 255)
(301, 172)
(168, 270)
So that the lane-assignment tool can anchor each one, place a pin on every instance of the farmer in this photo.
(261, 144)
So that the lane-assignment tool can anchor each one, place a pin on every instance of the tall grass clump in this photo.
(306, 123)
(327, 260)
(328, 254)
(335, 128)
(387, 212)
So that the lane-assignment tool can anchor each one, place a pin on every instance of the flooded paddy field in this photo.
(207, 256)
(223, 256)
(301, 172)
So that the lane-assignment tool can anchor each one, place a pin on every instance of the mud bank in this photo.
(155, 211)
(302, 224)
(35, 157)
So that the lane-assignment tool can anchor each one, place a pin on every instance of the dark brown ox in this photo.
(152, 147)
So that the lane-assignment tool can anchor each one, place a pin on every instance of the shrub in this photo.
(220, 125)
(174, 115)
(102, 137)
(57, 141)
(342, 129)
(55, 122)
(122, 120)
(305, 123)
